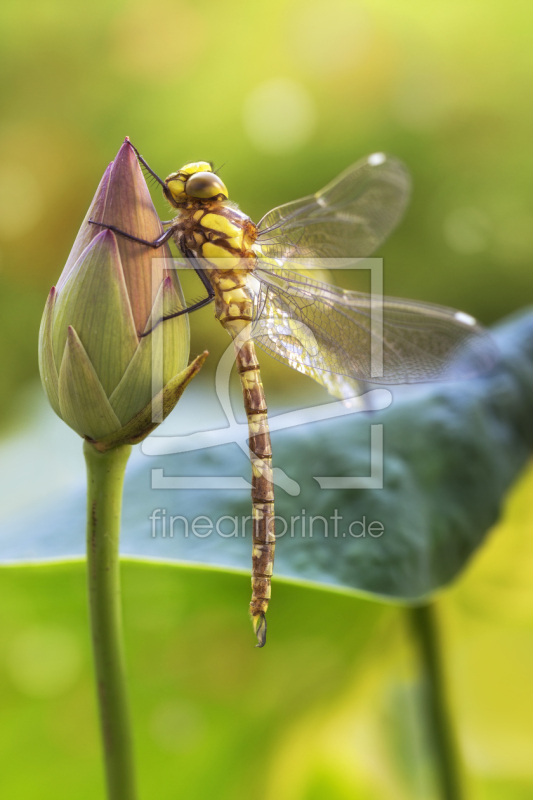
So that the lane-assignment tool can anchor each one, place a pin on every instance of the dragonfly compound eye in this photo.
(205, 185)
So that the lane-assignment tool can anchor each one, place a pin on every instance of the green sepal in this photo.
(47, 364)
(159, 357)
(143, 423)
(87, 232)
(94, 301)
(82, 401)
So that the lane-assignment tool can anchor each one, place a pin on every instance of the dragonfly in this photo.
(259, 277)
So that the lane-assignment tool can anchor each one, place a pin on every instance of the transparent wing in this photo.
(348, 219)
(320, 329)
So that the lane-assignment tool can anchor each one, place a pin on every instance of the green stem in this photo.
(425, 627)
(105, 478)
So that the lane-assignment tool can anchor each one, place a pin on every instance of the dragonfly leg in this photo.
(155, 244)
(195, 306)
(150, 170)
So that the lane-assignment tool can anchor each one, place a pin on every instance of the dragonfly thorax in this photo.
(216, 232)
(220, 238)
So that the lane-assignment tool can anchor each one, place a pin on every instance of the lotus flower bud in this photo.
(97, 369)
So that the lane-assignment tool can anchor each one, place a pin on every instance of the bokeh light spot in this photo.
(279, 115)
(44, 661)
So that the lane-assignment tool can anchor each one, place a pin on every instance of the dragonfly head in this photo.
(194, 181)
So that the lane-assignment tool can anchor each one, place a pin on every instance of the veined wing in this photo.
(347, 219)
(318, 329)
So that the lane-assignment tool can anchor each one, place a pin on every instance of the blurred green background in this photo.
(285, 95)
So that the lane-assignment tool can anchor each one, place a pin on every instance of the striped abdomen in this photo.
(264, 538)
(233, 307)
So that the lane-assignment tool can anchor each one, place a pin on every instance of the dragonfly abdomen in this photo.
(264, 538)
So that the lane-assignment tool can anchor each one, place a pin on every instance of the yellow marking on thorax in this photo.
(227, 284)
(221, 237)
(223, 260)
(217, 222)
(237, 243)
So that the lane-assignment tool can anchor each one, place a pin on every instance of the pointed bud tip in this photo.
(127, 179)
(127, 143)
(105, 237)
(126, 153)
